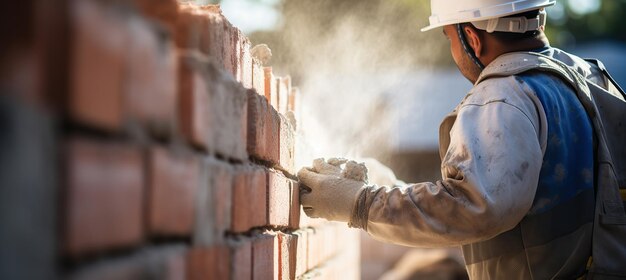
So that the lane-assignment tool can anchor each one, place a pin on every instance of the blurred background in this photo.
(378, 87)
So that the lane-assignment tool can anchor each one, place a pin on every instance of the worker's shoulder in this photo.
(509, 89)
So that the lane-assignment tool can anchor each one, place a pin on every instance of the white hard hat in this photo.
(445, 12)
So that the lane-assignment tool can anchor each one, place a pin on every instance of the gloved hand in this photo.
(332, 190)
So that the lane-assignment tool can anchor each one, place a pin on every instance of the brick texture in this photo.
(99, 42)
(208, 263)
(150, 85)
(193, 101)
(278, 199)
(104, 196)
(249, 199)
(271, 90)
(265, 257)
(172, 188)
(213, 209)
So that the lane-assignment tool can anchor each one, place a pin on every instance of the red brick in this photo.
(172, 189)
(294, 209)
(249, 199)
(190, 27)
(265, 253)
(213, 203)
(258, 77)
(244, 66)
(99, 46)
(213, 108)
(287, 255)
(287, 146)
(241, 259)
(151, 80)
(301, 252)
(163, 11)
(209, 263)
(272, 136)
(104, 196)
(278, 199)
(271, 88)
(219, 38)
(193, 101)
(257, 108)
(228, 115)
(284, 89)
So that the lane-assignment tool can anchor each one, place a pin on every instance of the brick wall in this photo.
(141, 140)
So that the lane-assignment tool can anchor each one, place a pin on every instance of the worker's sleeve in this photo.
(489, 177)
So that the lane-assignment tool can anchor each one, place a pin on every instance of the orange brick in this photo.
(208, 263)
(151, 82)
(265, 253)
(271, 90)
(99, 45)
(172, 189)
(278, 199)
(104, 196)
(193, 102)
(249, 199)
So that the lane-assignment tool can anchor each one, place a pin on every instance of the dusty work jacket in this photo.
(517, 181)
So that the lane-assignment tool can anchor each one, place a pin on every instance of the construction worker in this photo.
(517, 167)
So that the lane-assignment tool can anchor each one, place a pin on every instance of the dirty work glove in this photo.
(332, 190)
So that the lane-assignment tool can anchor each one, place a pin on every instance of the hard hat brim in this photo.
(486, 17)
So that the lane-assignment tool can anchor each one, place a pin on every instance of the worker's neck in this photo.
(532, 44)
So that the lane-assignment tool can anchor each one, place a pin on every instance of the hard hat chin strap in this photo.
(468, 49)
(512, 24)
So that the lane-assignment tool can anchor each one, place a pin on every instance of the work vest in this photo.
(557, 244)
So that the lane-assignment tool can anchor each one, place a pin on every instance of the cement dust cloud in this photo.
(346, 58)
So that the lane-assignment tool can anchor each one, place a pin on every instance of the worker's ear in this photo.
(474, 40)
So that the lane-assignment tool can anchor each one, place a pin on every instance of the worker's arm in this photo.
(489, 178)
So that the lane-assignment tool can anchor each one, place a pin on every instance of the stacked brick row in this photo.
(176, 152)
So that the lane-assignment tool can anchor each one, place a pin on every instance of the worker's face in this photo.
(462, 59)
